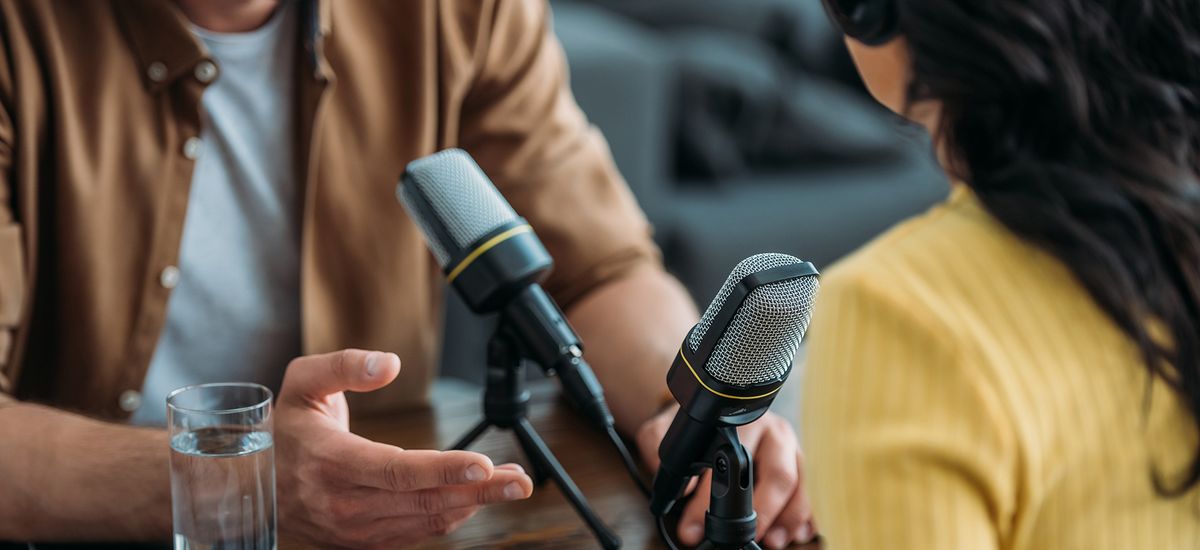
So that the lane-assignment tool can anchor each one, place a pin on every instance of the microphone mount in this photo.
(730, 521)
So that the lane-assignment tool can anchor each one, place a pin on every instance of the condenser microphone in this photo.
(733, 362)
(496, 263)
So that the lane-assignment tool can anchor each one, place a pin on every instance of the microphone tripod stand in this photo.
(730, 521)
(505, 403)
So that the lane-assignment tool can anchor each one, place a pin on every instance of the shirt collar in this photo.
(166, 50)
(158, 35)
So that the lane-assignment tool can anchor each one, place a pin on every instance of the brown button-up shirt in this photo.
(98, 100)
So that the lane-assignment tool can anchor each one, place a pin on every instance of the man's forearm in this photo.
(64, 477)
(633, 327)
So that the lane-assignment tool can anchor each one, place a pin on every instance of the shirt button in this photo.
(169, 278)
(206, 71)
(130, 400)
(157, 71)
(191, 148)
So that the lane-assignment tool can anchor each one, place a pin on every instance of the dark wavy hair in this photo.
(1077, 124)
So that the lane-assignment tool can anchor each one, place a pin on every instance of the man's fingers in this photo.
(505, 485)
(511, 466)
(776, 477)
(795, 523)
(404, 531)
(316, 376)
(809, 531)
(691, 523)
(370, 464)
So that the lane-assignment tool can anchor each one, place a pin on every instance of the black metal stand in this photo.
(731, 520)
(505, 403)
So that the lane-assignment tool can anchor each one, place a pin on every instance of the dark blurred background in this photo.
(742, 127)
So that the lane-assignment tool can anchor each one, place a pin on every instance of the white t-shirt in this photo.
(234, 314)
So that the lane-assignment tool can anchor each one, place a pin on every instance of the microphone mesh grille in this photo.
(464, 201)
(762, 338)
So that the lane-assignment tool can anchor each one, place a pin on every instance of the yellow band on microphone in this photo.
(488, 245)
(715, 392)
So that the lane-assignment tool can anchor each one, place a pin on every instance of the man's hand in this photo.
(336, 488)
(784, 514)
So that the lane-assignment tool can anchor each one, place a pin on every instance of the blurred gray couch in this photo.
(856, 170)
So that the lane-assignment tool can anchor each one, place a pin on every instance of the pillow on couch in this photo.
(798, 31)
(741, 109)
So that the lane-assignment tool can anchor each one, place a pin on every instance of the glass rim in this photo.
(270, 396)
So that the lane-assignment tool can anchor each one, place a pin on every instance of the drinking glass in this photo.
(222, 467)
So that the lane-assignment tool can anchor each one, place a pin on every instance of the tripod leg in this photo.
(539, 473)
(533, 441)
(472, 435)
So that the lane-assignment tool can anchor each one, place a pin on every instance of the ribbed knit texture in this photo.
(963, 392)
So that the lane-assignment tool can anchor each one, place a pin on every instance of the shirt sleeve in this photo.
(521, 123)
(12, 265)
(906, 447)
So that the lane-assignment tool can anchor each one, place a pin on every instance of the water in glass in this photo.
(223, 479)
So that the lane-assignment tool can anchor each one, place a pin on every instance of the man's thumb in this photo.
(316, 376)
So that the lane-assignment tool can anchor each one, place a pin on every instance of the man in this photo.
(279, 129)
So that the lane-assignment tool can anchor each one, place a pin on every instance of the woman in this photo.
(1019, 368)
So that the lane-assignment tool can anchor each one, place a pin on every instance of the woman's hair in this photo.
(1077, 124)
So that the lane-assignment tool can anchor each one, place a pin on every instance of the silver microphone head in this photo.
(764, 334)
(452, 201)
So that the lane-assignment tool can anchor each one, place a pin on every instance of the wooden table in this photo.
(545, 520)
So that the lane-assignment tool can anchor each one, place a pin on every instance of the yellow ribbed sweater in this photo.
(963, 392)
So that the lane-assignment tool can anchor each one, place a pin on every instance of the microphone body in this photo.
(495, 262)
(551, 342)
(732, 364)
